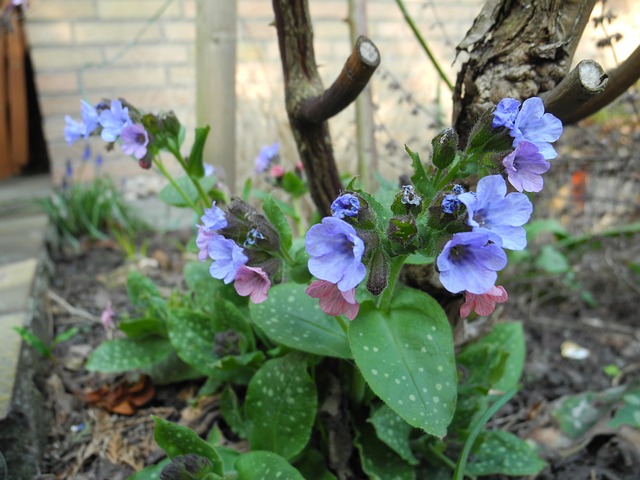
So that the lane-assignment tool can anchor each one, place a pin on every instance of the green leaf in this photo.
(312, 465)
(378, 461)
(171, 369)
(499, 452)
(629, 412)
(293, 185)
(277, 218)
(232, 413)
(551, 260)
(195, 167)
(64, 336)
(144, 294)
(177, 440)
(576, 414)
(406, 357)
(126, 354)
(34, 341)
(229, 457)
(281, 402)
(143, 327)
(265, 465)
(294, 319)
(170, 195)
(207, 290)
(419, 178)
(193, 336)
(152, 472)
(394, 432)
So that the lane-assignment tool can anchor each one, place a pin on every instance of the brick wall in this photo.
(143, 50)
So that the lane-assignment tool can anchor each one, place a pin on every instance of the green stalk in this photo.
(169, 177)
(384, 302)
(423, 44)
(201, 193)
(458, 474)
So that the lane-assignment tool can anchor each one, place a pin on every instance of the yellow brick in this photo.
(61, 10)
(138, 9)
(182, 75)
(254, 9)
(60, 105)
(330, 30)
(179, 31)
(328, 10)
(65, 82)
(114, 33)
(55, 33)
(150, 54)
(190, 9)
(160, 99)
(257, 30)
(248, 53)
(54, 130)
(115, 78)
(45, 59)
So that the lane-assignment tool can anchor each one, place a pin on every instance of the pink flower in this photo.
(277, 171)
(483, 304)
(332, 300)
(107, 317)
(252, 281)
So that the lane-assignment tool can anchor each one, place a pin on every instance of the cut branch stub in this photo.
(582, 83)
(354, 76)
(308, 105)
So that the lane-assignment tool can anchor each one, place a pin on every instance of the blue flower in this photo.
(266, 156)
(227, 258)
(346, 205)
(499, 215)
(469, 262)
(525, 166)
(89, 116)
(336, 253)
(134, 140)
(213, 218)
(113, 120)
(73, 130)
(409, 196)
(450, 203)
(530, 124)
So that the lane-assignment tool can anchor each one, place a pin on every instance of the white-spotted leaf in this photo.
(501, 452)
(125, 354)
(394, 432)
(281, 402)
(406, 356)
(265, 466)
(294, 319)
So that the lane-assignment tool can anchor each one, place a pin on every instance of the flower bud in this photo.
(378, 269)
(445, 146)
(146, 161)
(402, 231)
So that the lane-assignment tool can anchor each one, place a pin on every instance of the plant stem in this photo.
(384, 302)
(203, 196)
(451, 173)
(423, 44)
(179, 189)
(476, 428)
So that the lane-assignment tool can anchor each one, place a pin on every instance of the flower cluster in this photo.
(249, 266)
(112, 121)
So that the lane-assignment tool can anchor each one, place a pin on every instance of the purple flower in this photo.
(500, 215)
(530, 124)
(202, 241)
(346, 205)
(213, 218)
(227, 258)
(469, 262)
(336, 253)
(134, 140)
(525, 166)
(113, 120)
(208, 169)
(266, 156)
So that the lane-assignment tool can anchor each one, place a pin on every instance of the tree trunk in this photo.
(518, 50)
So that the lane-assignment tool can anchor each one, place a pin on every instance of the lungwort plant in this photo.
(327, 365)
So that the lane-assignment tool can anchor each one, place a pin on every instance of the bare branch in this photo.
(582, 84)
(620, 79)
(355, 75)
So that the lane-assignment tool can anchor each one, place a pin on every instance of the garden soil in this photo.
(581, 328)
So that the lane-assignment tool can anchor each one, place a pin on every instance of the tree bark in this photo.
(516, 49)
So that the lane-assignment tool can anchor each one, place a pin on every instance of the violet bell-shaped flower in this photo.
(530, 123)
(267, 154)
(346, 205)
(497, 213)
(524, 167)
(336, 253)
(469, 262)
(113, 120)
(252, 282)
(134, 140)
(227, 258)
